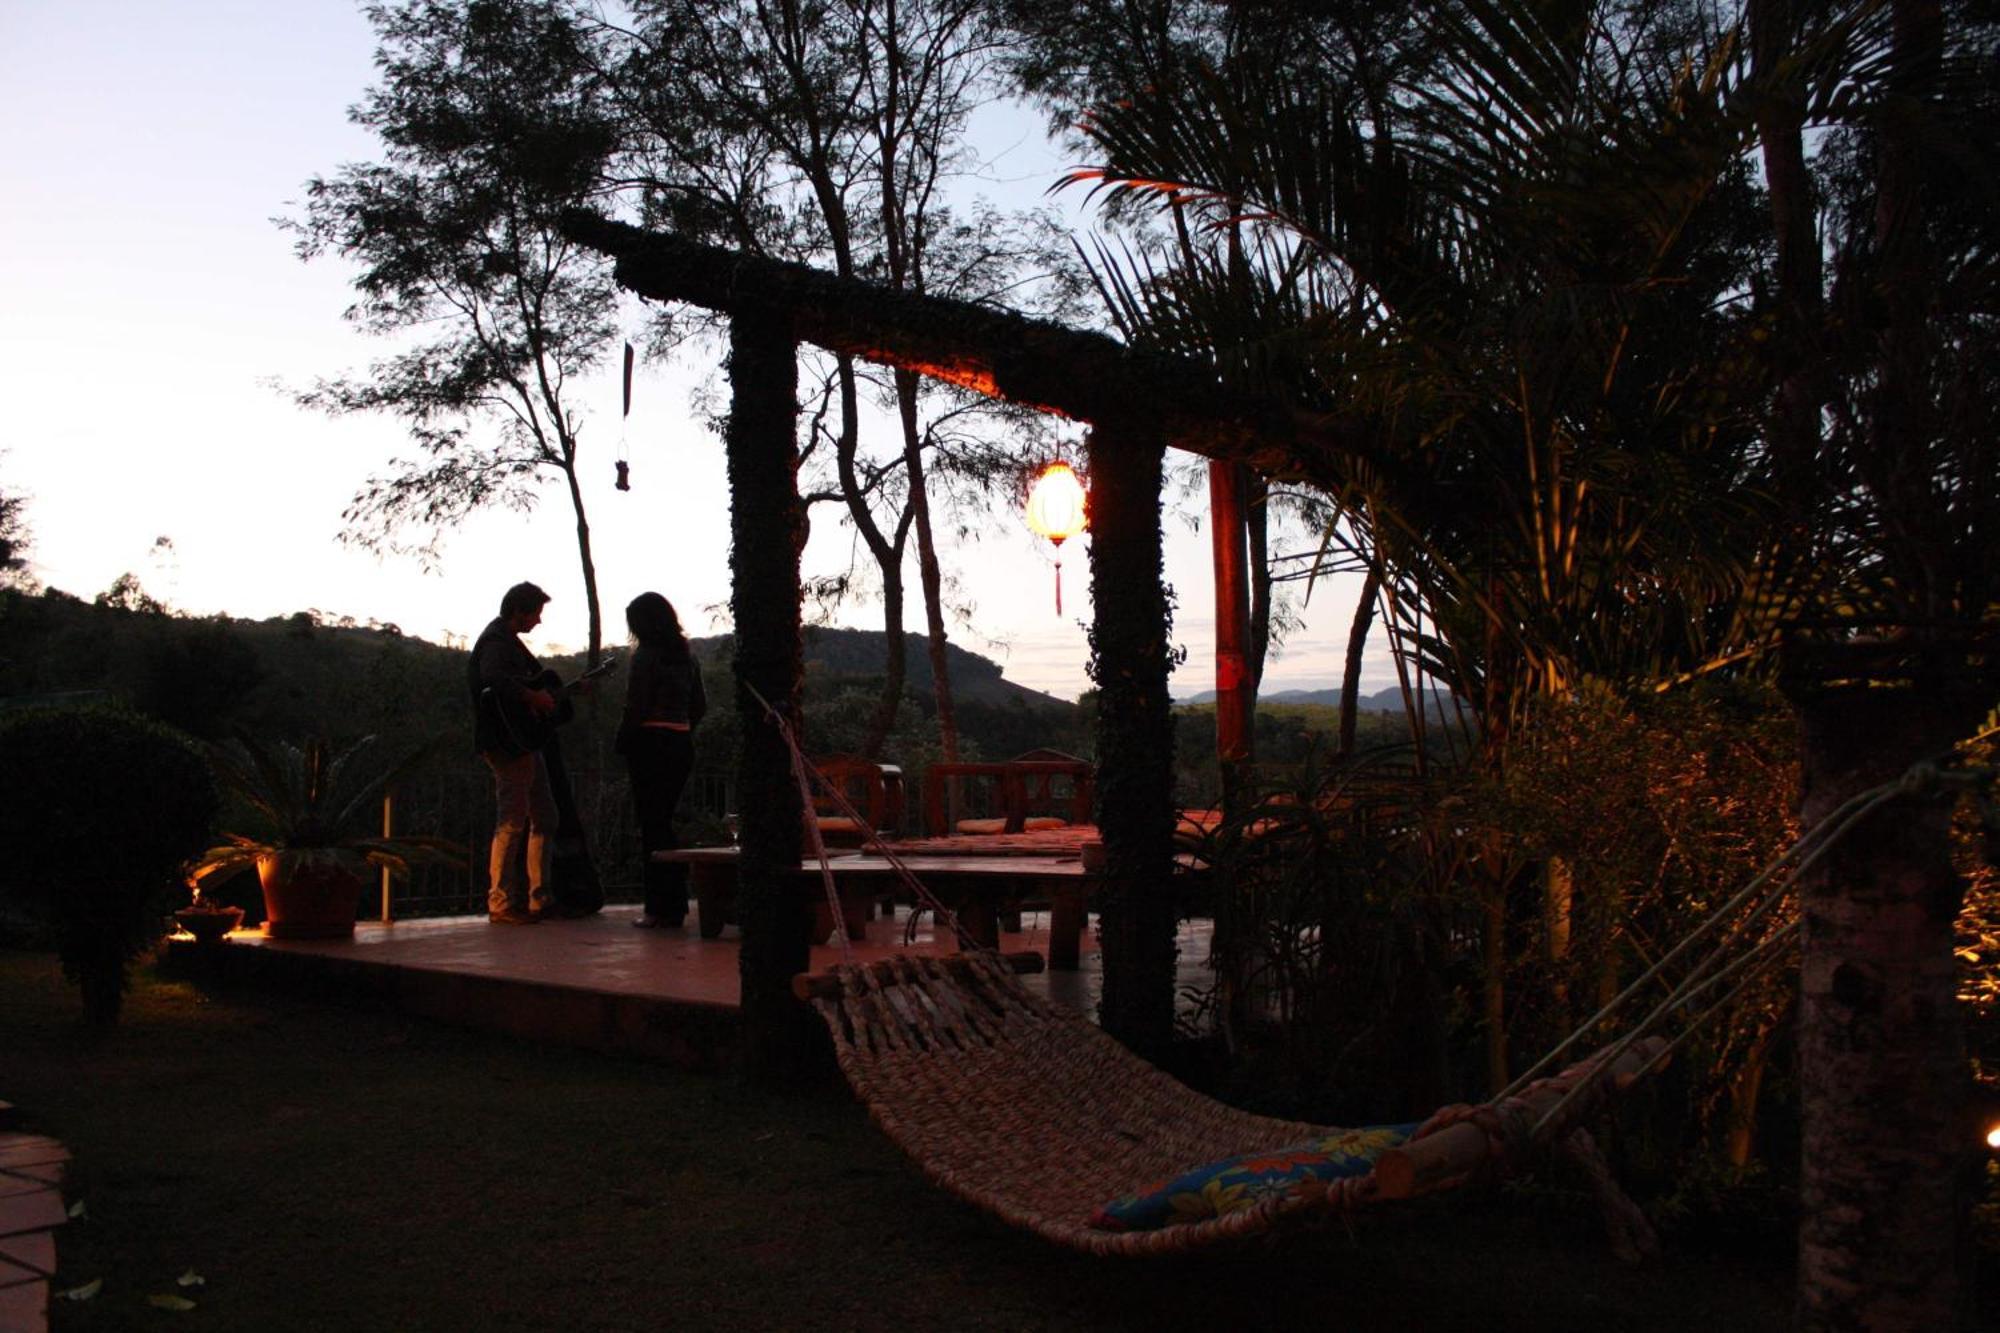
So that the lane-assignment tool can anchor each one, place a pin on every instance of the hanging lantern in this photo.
(1057, 510)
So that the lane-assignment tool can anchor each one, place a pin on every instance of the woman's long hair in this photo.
(653, 623)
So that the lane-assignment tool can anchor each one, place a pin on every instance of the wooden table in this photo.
(1070, 840)
(977, 876)
(978, 888)
(1058, 866)
(975, 888)
(712, 884)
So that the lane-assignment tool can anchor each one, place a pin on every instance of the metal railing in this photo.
(457, 803)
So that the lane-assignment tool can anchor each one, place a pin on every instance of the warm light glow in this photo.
(1993, 1137)
(1056, 507)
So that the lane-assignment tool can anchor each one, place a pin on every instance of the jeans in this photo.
(659, 761)
(525, 811)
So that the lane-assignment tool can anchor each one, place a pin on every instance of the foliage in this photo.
(1288, 738)
(1976, 838)
(103, 810)
(832, 132)
(1655, 811)
(16, 539)
(1334, 970)
(314, 805)
(1523, 317)
(127, 593)
(490, 125)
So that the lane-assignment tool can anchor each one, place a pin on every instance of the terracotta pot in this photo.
(308, 902)
(209, 924)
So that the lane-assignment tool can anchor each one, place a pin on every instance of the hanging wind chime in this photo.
(1057, 510)
(624, 482)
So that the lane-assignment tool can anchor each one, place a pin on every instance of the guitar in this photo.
(525, 731)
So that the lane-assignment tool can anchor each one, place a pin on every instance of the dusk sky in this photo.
(155, 314)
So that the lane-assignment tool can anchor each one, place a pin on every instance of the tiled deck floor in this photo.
(31, 1208)
(597, 982)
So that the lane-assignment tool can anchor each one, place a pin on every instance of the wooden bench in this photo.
(1043, 788)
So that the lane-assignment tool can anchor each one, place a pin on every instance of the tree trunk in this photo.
(1883, 1076)
(888, 557)
(1130, 651)
(595, 648)
(767, 532)
(1746, 1089)
(895, 666)
(928, 575)
(1558, 914)
(1350, 673)
(1795, 425)
(1256, 492)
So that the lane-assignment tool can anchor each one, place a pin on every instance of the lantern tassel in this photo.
(1058, 587)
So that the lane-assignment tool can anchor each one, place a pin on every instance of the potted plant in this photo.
(208, 921)
(314, 835)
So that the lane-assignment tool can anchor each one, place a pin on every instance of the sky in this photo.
(154, 317)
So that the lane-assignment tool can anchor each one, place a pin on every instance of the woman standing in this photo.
(663, 702)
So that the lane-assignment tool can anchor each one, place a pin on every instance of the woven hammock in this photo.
(1030, 1112)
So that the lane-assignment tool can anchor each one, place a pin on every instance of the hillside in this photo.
(844, 654)
(298, 673)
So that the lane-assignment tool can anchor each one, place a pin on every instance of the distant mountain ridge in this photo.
(1382, 701)
(861, 652)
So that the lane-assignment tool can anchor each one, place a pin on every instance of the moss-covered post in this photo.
(1130, 655)
(767, 532)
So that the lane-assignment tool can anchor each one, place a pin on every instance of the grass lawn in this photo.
(334, 1168)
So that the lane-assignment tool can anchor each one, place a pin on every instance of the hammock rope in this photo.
(1924, 778)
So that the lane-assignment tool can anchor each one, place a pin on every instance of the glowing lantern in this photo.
(1993, 1137)
(1056, 510)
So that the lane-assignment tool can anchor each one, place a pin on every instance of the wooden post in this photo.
(1135, 748)
(767, 532)
(388, 831)
(1233, 697)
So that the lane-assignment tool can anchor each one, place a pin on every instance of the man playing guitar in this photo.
(526, 806)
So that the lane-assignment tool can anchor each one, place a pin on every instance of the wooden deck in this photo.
(596, 983)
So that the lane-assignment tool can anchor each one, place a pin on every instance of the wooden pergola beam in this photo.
(1071, 373)
(1138, 403)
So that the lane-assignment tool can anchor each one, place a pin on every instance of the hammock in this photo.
(1032, 1113)
(1029, 1111)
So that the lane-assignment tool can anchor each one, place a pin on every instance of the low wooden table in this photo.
(977, 876)
(978, 888)
(975, 888)
(712, 884)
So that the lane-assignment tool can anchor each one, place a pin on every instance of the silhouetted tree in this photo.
(15, 540)
(491, 122)
(829, 132)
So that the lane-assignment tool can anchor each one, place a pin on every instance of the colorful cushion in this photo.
(1236, 1183)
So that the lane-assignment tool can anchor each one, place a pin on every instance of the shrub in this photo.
(103, 810)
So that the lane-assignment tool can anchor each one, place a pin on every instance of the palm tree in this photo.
(1513, 260)
(1509, 262)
